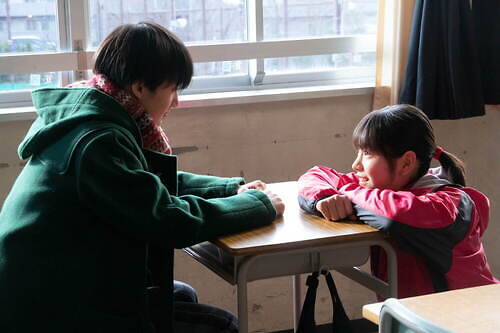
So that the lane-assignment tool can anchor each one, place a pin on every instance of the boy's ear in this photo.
(137, 89)
(408, 162)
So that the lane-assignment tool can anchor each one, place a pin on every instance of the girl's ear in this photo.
(408, 163)
(137, 89)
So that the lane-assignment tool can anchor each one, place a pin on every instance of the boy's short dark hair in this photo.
(144, 52)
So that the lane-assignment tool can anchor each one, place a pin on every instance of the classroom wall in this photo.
(278, 141)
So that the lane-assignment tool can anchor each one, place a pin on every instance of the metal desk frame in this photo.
(343, 257)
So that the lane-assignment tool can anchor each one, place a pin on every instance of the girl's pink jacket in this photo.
(435, 227)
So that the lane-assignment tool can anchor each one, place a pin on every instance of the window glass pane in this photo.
(29, 81)
(194, 21)
(285, 19)
(28, 26)
(319, 62)
(221, 68)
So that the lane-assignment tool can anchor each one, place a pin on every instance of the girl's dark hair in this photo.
(144, 52)
(396, 129)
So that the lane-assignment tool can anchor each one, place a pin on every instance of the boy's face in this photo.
(374, 171)
(157, 102)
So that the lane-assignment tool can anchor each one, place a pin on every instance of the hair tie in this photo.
(437, 153)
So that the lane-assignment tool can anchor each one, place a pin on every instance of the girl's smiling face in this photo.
(375, 171)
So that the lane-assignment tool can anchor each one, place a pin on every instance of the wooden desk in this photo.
(464, 310)
(294, 244)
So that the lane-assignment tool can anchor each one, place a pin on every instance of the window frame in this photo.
(75, 59)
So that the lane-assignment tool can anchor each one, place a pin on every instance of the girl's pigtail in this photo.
(452, 166)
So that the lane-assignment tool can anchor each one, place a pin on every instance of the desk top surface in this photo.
(467, 310)
(295, 229)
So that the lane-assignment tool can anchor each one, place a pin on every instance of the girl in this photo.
(434, 221)
(88, 230)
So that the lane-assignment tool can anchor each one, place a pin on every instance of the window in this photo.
(236, 44)
(29, 29)
(194, 21)
(295, 19)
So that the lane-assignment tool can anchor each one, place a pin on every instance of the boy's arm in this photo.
(207, 186)
(182, 183)
(135, 202)
(318, 183)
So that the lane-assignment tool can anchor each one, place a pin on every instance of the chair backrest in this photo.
(397, 318)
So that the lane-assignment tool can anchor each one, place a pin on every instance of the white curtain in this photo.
(394, 24)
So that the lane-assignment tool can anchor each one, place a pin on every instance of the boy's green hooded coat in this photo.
(76, 227)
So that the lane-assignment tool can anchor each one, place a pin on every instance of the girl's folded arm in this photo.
(318, 183)
(427, 225)
(426, 210)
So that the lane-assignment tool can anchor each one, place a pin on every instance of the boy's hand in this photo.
(254, 185)
(335, 208)
(278, 204)
(260, 185)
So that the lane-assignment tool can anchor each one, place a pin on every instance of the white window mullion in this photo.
(38, 62)
(282, 48)
(256, 34)
(64, 35)
(79, 32)
(63, 24)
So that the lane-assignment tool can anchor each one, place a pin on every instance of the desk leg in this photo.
(392, 270)
(242, 307)
(242, 272)
(297, 300)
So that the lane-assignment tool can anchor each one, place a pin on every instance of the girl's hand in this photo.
(254, 185)
(335, 208)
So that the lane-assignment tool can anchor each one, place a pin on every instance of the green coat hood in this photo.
(55, 119)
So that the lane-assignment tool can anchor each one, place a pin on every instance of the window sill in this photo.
(229, 98)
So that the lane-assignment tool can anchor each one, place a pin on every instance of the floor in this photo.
(358, 326)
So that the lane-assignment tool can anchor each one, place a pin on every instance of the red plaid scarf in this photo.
(153, 136)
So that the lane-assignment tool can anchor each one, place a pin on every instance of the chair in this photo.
(397, 318)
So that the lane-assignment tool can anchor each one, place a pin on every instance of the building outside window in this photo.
(31, 25)
(22, 21)
(45, 25)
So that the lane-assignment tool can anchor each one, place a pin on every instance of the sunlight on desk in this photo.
(301, 230)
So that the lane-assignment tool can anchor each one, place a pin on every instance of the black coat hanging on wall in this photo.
(453, 58)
